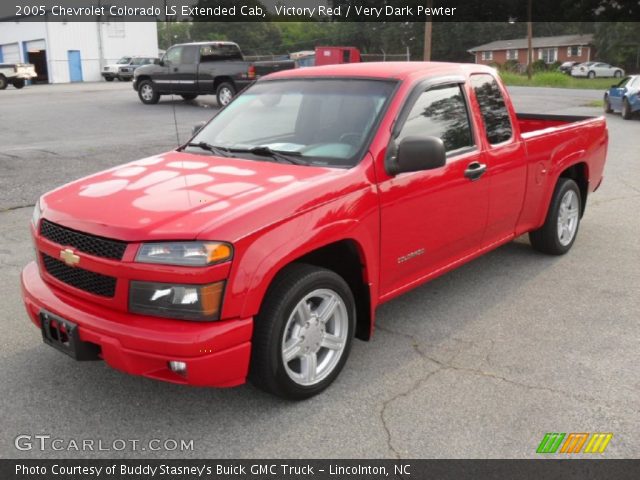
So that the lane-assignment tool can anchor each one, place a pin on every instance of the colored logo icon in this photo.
(573, 443)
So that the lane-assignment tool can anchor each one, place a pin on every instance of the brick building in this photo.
(561, 48)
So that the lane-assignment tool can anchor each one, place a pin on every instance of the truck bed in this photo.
(531, 123)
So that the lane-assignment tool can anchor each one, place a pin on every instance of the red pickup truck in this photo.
(264, 245)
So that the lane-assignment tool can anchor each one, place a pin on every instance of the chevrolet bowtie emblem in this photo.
(68, 257)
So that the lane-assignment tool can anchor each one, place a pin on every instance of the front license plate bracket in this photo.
(63, 335)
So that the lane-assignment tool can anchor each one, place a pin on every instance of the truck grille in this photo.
(97, 246)
(80, 278)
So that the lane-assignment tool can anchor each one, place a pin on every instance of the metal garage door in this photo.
(35, 45)
(11, 53)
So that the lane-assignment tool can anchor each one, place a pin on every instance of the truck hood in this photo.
(182, 196)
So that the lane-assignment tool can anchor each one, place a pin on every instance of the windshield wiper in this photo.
(222, 151)
(264, 151)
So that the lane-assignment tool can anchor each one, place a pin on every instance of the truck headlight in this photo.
(37, 214)
(185, 302)
(189, 254)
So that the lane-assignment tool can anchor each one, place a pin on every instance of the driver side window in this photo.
(173, 55)
(440, 112)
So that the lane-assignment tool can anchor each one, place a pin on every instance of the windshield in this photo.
(320, 121)
(124, 60)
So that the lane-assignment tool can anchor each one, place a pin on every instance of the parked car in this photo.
(596, 69)
(624, 97)
(261, 247)
(110, 72)
(16, 74)
(567, 66)
(125, 72)
(203, 68)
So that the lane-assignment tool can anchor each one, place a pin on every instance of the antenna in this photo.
(175, 118)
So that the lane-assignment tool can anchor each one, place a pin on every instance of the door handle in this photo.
(475, 170)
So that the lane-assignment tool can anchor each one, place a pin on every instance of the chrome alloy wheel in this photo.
(146, 92)
(225, 96)
(315, 337)
(568, 214)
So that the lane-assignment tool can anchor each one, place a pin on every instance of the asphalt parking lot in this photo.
(479, 363)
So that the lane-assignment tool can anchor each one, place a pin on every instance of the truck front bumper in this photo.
(216, 353)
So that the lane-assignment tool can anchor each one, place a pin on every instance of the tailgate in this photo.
(25, 70)
(264, 68)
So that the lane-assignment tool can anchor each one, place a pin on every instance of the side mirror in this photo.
(197, 127)
(416, 153)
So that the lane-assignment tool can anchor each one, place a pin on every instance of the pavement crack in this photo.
(16, 207)
(448, 365)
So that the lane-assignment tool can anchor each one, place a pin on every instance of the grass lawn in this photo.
(556, 80)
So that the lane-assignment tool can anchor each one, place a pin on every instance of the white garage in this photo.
(75, 51)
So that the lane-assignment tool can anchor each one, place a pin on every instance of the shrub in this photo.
(510, 66)
(539, 66)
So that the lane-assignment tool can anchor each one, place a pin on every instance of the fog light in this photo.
(178, 367)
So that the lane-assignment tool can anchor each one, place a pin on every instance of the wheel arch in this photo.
(579, 173)
(222, 79)
(347, 258)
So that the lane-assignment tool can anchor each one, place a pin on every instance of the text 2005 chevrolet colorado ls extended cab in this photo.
(263, 246)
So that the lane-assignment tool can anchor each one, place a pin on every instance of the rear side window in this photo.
(440, 112)
(497, 122)
(219, 51)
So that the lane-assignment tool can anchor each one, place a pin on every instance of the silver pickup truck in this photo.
(16, 74)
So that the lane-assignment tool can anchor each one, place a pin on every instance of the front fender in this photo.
(261, 256)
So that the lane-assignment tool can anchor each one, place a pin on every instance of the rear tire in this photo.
(19, 83)
(560, 228)
(626, 109)
(189, 96)
(109, 79)
(302, 335)
(148, 92)
(3, 82)
(225, 93)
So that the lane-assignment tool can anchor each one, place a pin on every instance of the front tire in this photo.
(303, 333)
(591, 75)
(148, 92)
(3, 82)
(225, 93)
(607, 105)
(626, 109)
(560, 228)
(109, 79)
(617, 74)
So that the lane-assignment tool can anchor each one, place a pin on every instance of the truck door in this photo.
(432, 218)
(181, 69)
(505, 157)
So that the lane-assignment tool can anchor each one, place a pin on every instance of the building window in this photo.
(549, 55)
(487, 55)
(574, 51)
(512, 54)
(115, 29)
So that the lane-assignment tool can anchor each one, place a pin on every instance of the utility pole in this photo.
(428, 29)
(529, 39)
